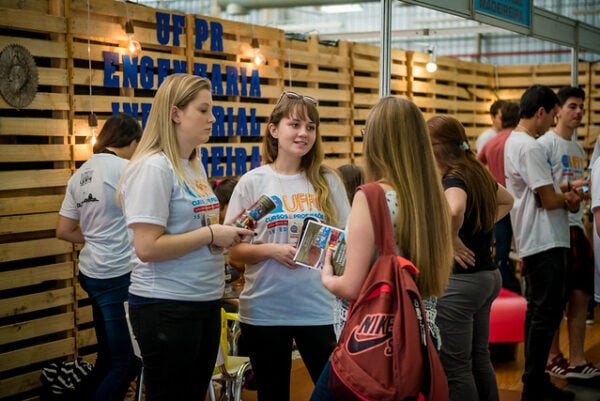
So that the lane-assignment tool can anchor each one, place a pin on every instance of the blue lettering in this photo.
(216, 37)
(201, 32)
(217, 154)
(146, 72)
(130, 71)
(178, 25)
(111, 61)
(162, 28)
(232, 81)
(216, 79)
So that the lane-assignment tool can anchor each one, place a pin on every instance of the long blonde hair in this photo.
(312, 162)
(398, 151)
(159, 135)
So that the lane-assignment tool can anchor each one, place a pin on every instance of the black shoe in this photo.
(550, 393)
(558, 394)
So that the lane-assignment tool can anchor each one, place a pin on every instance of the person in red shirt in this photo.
(492, 155)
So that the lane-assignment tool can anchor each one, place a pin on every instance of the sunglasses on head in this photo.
(297, 96)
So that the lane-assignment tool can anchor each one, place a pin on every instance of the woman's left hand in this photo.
(462, 255)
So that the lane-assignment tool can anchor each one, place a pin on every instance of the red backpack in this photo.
(385, 351)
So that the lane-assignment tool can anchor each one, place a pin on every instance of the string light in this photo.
(93, 124)
(134, 47)
(258, 57)
(92, 120)
(431, 65)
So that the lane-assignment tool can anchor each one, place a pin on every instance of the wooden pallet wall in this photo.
(514, 79)
(83, 67)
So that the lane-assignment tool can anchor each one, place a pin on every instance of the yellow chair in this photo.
(230, 370)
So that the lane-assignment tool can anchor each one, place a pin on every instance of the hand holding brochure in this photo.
(315, 239)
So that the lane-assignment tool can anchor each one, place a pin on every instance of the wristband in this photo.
(212, 236)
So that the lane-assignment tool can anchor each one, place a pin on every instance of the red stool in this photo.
(507, 318)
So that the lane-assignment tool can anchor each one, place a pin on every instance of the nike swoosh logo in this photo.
(356, 346)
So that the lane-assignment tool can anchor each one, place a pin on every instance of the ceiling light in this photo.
(342, 8)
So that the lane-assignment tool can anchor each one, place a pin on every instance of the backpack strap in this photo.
(380, 218)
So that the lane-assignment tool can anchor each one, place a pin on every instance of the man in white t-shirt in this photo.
(541, 232)
(496, 116)
(567, 158)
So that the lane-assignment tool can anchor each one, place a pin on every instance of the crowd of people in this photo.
(157, 233)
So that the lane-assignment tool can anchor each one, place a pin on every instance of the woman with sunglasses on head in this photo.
(476, 202)
(282, 303)
(177, 280)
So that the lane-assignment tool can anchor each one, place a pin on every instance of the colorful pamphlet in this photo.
(314, 241)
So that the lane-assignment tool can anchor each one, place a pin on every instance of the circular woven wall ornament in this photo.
(18, 76)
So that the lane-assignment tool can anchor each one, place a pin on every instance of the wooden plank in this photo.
(33, 204)
(21, 383)
(10, 279)
(34, 153)
(38, 47)
(28, 223)
(24, 179)
(27, 20)
(44, 101)
(36, 353)
(33, 249)
(36, 328)
(33, 126)
(35, 302)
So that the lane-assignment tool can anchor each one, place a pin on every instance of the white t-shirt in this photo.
(595, 203)
(568, 164)
(526, 168)
(483, 138)
(274, 294)
(91, 199)
(151, 193)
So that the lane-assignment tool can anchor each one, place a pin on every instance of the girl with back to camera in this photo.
(177, 282)
(476, 202)
(282, 303)
(417, 207)
(89, 215)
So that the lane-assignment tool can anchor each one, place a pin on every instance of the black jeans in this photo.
(270, 349)
(545, 279)
(179, 343)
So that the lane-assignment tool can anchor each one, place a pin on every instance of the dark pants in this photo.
(503, 235)
(270, 349)
(116, 365)
(179, 343)
(545, 277)
(464, 321)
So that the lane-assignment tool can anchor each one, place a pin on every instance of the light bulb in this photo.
(431, 67)
(93, 124)
(93, 139)
(135, 48)
(133, 45)
(259, 58)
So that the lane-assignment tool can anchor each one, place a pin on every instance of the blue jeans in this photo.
(179, 342)
(464, 321)
(321, 391)
(545, 278)
(116, 365)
